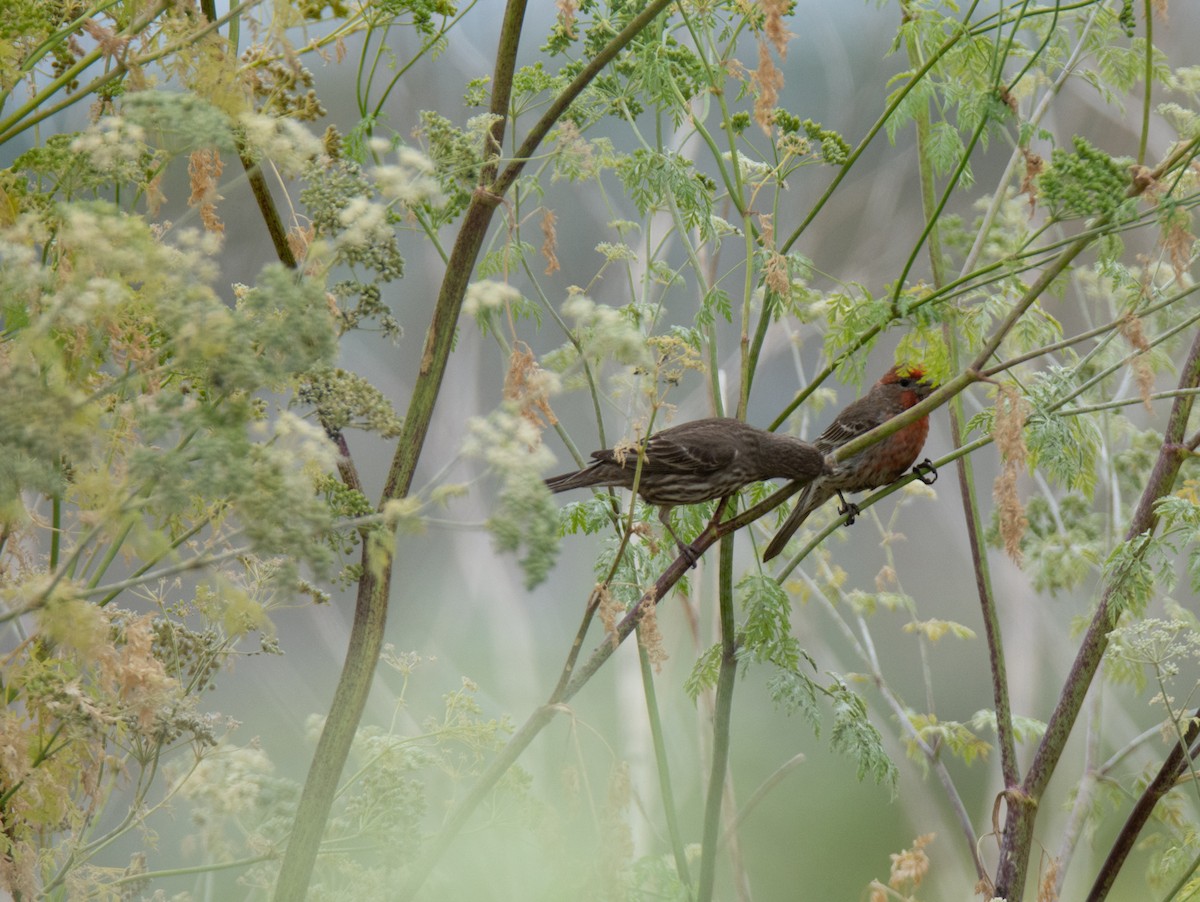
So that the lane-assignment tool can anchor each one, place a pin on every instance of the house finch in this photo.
(697, 461)
(884, 462)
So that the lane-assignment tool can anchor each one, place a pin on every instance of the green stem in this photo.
(722, 716)
(934, 212)
(145, 568)
(267, 207)
(190, 871)
(663, 764)
(110, 554)
(1148, 78)
(55, 531)
(358, 671)
(966, 475)
(1184, 879)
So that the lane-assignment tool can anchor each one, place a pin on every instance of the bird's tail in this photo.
(576, 479)
(810, 499)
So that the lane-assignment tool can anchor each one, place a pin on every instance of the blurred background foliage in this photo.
(225, 230)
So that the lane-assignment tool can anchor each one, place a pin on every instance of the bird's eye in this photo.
(906, 382)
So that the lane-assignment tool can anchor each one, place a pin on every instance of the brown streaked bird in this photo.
(698, 461)
(900, 388)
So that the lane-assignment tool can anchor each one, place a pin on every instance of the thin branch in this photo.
(1176, 763)
(722, 716)
(1023, 802)
(663, 765)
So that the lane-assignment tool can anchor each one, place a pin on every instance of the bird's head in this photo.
(909, 381)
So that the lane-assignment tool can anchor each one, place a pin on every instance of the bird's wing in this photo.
(666, 453)
(672, 452)
(851, 423)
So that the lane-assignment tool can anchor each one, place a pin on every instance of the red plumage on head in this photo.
(903, 371)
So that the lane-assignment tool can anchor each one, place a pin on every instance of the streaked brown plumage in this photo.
(698, 461)
(899, 389)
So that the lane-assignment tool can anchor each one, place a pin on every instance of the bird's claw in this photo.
(850, 511)
(689, 555)
(926, 472)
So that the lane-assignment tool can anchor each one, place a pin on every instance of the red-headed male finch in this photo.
(884, 462)
(695, 462)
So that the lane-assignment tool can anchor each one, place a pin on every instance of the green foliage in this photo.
(855, 736)
(525, 514)
(286, 320)
(855, 318)
(927, 346)
(1135, 571)
(651, 177)
(1063, 543)
(704, 673)
(937, 629)
(1062, 446)
(339, 198)
(655, 879)
(151, 325)
(1085, 183)
(344, 400)
(83, 165)
(603, 334)
(1025, 729)
(509, 258)
(794, 691)
(237, 795)
(1180, 514)
(765, 636)
(178, 123)
(457, 156)
(111, 685)
(834, 149)
(954, 737)
(766, 633)
(129, 402)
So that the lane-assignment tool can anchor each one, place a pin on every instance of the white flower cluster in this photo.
(101, 241)
(114, 146)
(723, 227)
(605, 333)
(365, 226)
(301, 445)
(21, 272)
(93, 299)
(198, 249)
(488, 294)
(410, 180)
(287, 143)
(507, 441)
(480, 129)
(228, 780)
(752, 170)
